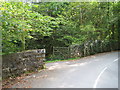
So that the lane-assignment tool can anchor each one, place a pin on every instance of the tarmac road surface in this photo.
(95, 71)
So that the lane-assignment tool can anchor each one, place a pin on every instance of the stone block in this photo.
(18, 63)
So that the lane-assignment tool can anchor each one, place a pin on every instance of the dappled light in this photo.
(59, 44)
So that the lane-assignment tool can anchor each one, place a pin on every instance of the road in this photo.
(95, 71)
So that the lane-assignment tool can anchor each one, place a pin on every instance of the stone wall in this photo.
(21, 62)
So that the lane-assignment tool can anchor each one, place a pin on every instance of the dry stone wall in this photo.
(18, 63)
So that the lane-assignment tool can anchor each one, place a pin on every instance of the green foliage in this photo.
(20, 23)
(48, 24)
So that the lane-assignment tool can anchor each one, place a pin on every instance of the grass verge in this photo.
(62, 60)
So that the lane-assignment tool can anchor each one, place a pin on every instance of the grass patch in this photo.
(62, 60)
(0, 79)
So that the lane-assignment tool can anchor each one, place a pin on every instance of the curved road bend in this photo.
(96, 71)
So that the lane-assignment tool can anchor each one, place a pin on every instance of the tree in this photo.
(49, 24)
(19, 24)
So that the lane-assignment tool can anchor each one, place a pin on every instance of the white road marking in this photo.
(96, 81)
(116, 60)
